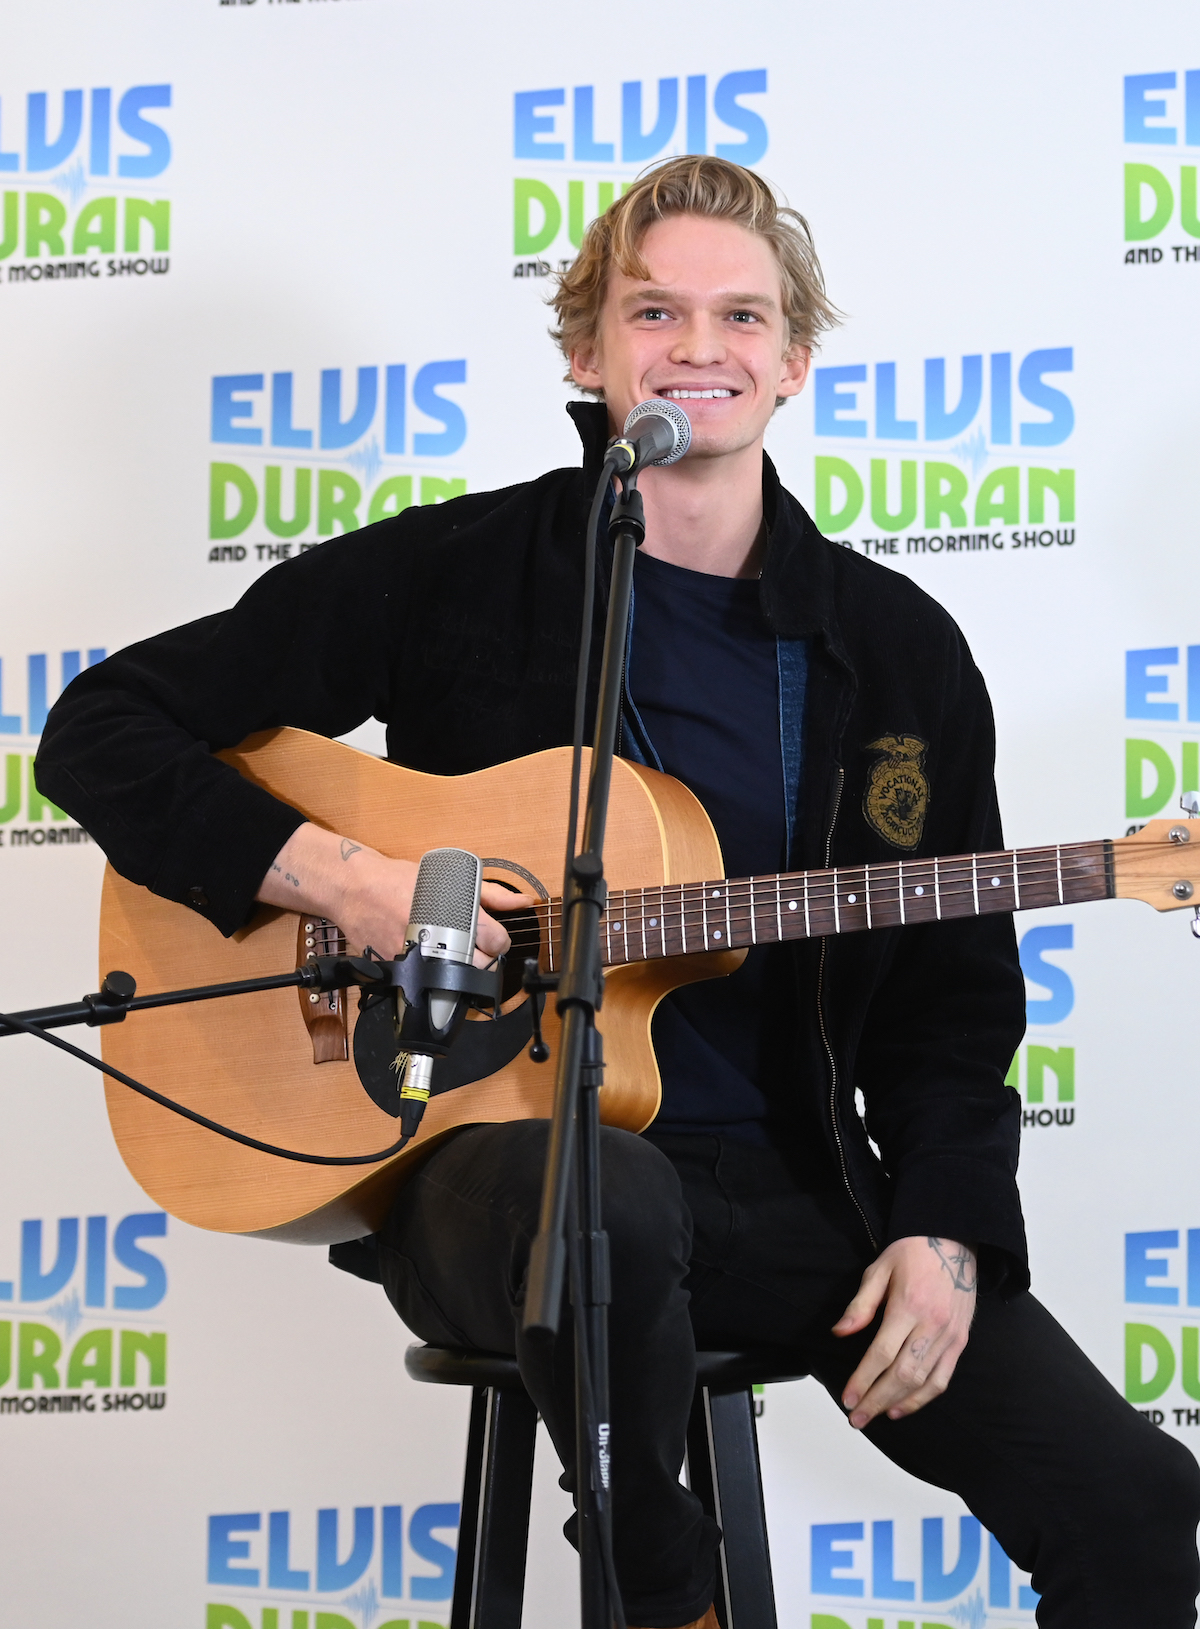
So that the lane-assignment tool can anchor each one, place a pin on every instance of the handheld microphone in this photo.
(657, 431)
(441, 928)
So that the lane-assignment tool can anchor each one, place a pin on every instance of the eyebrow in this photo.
(642, 295)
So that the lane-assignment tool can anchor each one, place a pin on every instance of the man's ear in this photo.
(793, 370)
(584, 369)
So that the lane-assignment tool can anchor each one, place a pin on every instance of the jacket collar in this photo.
(591, 422)
(797, 579)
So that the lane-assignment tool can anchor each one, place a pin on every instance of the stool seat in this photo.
(718, 1372)
(722, 1470)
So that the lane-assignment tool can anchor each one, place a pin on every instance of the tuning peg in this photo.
(1190, 804)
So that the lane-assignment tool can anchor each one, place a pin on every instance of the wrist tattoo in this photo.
(286, 875)
(349, 848)
(959, 1263)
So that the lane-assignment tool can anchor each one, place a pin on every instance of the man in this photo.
(784, 680)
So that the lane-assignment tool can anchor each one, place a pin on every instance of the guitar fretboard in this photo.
(732, 913)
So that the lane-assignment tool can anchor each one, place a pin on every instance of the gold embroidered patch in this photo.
(897, 796)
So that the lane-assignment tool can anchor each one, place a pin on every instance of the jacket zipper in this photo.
(833, 1075)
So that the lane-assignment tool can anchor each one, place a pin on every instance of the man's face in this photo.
(706, 329)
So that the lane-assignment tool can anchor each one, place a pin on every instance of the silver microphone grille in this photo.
(662, 407)
(446, 894)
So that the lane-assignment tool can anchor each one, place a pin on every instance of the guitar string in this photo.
(882, 880)
(689, 903)
(1031, 874)
(687, 906)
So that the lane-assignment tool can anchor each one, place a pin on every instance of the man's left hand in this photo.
(929, 1286)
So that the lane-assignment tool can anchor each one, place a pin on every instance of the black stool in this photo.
(722, 1470)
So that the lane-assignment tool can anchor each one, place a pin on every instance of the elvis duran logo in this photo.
(888, 1566)
(584, 128)
(102, 1282)
(1037, 1060)
(1162, 1277)
(980, 431)
(362, 1564)
(96, 152)
(47, 825)
(1162, 110)
(331, 454)
(1162, 690)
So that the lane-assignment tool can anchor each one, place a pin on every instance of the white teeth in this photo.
(695, 395)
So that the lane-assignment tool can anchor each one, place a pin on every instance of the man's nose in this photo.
(698, 342)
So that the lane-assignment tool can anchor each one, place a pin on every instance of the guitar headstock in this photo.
(1159, 865)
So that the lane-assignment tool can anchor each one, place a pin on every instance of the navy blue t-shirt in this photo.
(704, 681)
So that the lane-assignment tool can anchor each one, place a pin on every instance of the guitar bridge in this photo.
(324, 1013)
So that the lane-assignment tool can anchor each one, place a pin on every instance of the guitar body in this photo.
(248, 1062)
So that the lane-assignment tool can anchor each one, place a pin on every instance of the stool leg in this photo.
(493, 1536)
(723, 1472)
(468, 1515)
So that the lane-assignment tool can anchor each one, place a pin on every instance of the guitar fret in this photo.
(779, 907)
(900, 887)
(975, 880)
(837, 915)
(1016, 883)
(867, 892)
(728, 925)
(807, 923)
(704, 915)
(937, 891)
(662, 917)
(753, 923)
(1058, 871)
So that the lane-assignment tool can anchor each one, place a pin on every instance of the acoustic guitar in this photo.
(304, 1071)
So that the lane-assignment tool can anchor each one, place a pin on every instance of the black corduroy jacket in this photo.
(457, 625)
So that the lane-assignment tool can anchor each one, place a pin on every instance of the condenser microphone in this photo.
(658, 431)
(431, 1002)
(444, 917)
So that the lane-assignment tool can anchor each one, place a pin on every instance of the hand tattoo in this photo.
(960, 1265)
(349, 848)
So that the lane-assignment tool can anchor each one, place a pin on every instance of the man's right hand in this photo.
(366, 894)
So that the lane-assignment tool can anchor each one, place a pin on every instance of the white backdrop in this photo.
(226, 230)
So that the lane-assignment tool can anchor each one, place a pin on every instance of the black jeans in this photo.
(724, 1245)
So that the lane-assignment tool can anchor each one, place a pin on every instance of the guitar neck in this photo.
(677, 919)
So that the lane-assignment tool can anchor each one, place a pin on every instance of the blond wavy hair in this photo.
(693, 185)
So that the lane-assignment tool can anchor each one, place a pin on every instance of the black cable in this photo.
(585, 660)
(201, 1119)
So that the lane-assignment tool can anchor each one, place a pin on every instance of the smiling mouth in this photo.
(696, 395)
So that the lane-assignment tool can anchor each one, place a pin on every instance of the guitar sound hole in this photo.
(525, 932)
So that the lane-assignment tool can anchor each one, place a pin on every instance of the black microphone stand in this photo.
(570, 1231)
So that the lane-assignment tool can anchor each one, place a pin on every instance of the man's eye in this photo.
(654, 312)
(744, 316)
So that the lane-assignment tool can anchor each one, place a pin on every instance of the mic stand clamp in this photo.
(537, 985)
